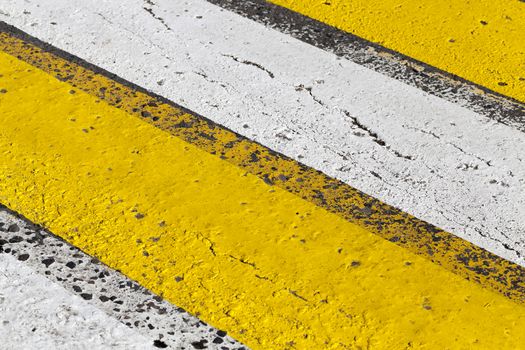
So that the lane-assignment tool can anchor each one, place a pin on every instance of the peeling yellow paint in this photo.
(481, 41)
(274, 270)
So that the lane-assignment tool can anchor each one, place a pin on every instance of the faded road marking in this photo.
(208, 235)
(36, 313)
(455, 254)
(480, 41)
(382, 60)
(436, 160)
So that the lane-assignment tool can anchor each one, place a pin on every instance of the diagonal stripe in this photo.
(436, 160)
(382, 60)
(98, 288)
(277, 270)
(480, 41)
(455, 254)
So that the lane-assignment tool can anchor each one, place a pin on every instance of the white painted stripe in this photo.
(466, 173)
(36, 313)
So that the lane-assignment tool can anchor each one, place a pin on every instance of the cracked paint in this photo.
(274, 169)
(378, 58)
(250, 63)
(323, 137)
(148, 7)
(327, 193)
(491, 55)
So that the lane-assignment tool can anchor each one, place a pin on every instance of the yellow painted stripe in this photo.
(481, 41)
(445, 249)
(273, 269)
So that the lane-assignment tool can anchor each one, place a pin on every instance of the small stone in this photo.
(23, 257)
(13, 228)
(86, 296)
(160, 344)
(48, 261)
(200, 344)
(16, 239)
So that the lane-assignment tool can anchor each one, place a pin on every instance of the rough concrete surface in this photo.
(54, 296)
(39, 314)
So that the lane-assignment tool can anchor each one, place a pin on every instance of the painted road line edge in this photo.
(453, 253)
(479, 41)
(433, 159)
(106, 289)
(432, 80)
(219, 241)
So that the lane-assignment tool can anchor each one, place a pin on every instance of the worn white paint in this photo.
(36, 313)
(466, 174)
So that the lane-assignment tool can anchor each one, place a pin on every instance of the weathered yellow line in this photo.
(481, 41)
(453, 253)
(217, 238)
